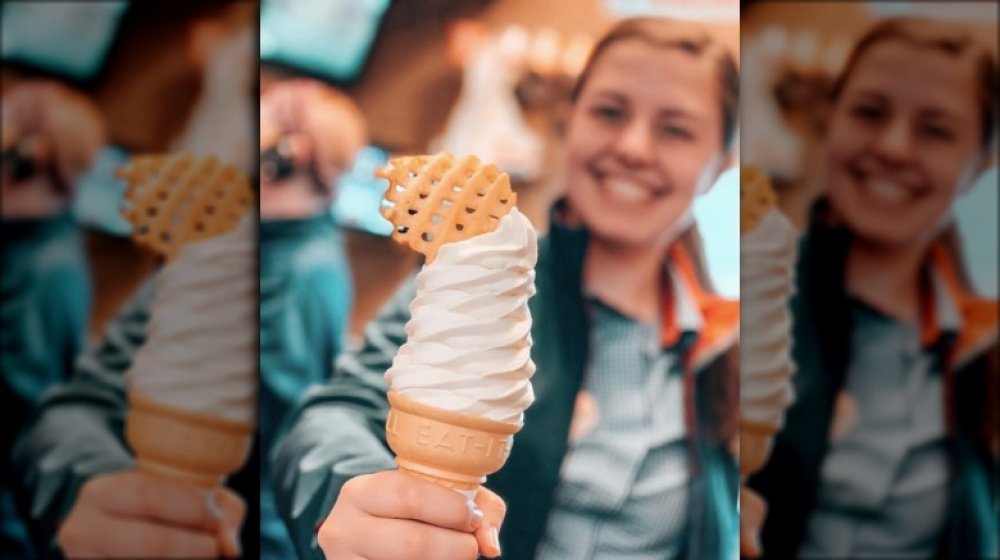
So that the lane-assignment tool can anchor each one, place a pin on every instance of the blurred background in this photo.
(85, 86)
(795, 51)
(490, 77)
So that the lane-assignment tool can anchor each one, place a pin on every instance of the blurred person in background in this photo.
(51, 134)
(628, 450)
(305, 278)
(72, 473)
(891, 447)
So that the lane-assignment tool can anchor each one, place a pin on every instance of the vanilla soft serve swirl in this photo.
(767, 260)
(468, 346)
(200, 352)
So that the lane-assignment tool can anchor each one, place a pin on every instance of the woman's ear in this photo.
(203, 38)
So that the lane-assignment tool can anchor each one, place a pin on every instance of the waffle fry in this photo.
(435, 200)
(756, 198)
(173, 200)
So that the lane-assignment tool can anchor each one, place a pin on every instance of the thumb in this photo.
(488, 534)
(753, 509)
(232, 512)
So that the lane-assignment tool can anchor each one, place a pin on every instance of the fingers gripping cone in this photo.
(433, 200)
(171, 201)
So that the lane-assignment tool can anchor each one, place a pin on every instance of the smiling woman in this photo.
(889, 448)
(629, 339)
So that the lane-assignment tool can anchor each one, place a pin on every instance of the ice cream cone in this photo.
(449, 448)
(183, 446)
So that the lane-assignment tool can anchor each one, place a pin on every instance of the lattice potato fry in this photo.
(756, 198)
(435, 200)
(178, 199)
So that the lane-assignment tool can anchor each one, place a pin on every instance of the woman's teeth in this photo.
(627, 191)
(887, 191)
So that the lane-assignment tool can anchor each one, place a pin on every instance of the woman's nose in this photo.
(895, 142)
(634, 144)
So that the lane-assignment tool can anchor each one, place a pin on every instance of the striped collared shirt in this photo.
(624, 488)
(884, 486)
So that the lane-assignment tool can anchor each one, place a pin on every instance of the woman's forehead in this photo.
(922, 72)
(659, 74)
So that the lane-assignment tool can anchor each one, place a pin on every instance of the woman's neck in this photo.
(888, 280)
(628, 280)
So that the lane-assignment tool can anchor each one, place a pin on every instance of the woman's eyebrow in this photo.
(676, 113)
(867, 95)
(611, 95)
(939, 114)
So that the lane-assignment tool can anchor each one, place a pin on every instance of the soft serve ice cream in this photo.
(767, 260)
(468, 347)
(200, 354)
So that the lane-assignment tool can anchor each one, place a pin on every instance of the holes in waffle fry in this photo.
(402, 229)
(459, 227)
(199, 226)
(445, 203)
(412, 211)
(427, 237)
(400, 188)
(210, 209)
(456, 188)
(423, 195)
(142, 229)
(470, 210)
(162, 195)
(151, 211)
(436, 219)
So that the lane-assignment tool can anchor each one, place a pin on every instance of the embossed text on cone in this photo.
(455, 450)
(183, 446)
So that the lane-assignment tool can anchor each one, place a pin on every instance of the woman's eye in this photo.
(937, 132)
(609, 113)
(673, 131)
(868, 113)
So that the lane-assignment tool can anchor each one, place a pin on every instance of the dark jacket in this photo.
(46, 295)
(821, 312)
(339, 430)
(305, 300)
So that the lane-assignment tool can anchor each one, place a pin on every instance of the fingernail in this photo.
(495, 537)
(235, 536)
(476, 513)
(213, 506)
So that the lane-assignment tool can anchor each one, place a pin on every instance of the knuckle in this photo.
(468, 548)
(353, 487)
(410, 498)
(69, 538)
(330, 537)
(159, 542)
(416, 543)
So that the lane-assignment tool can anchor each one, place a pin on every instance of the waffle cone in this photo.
(757, 198)
(174, 200)
(186, 447)
(433, 200)
(449, 448)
